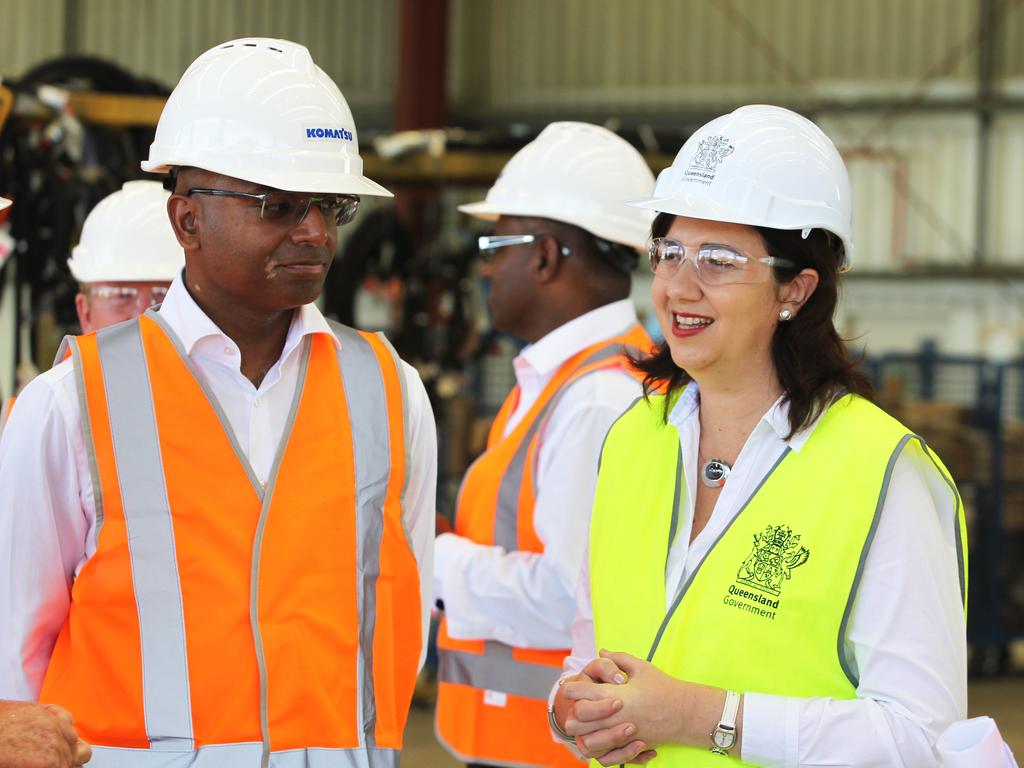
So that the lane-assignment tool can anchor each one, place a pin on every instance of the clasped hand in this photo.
(621, 708)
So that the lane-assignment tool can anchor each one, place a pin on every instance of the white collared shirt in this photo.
(47, 511)
(906, 637)
(527, 599)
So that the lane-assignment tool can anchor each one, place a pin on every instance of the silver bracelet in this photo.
(557, 728)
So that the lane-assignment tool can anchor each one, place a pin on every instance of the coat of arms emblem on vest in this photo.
(777, 551)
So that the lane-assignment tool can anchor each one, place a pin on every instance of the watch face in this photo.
(723, 739)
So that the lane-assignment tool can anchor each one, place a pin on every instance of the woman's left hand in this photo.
(660, 706)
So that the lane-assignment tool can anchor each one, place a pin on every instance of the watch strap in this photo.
(726, 725)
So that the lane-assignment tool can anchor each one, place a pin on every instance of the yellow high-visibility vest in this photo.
(767, 609)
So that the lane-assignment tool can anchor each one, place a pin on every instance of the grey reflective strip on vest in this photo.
(150, 533)
(506, 518)
(368, 415)
(684, 587)
(243, 756)
(496, 670)
(70, 343)
(957, 513)
(850, 673)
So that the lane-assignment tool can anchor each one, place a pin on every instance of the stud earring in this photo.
(785, 315)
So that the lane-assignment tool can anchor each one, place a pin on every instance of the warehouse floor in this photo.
(1002, 699)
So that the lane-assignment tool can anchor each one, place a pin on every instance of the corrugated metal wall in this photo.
(30, 31)
(352, 40)
(514, 55)
(914, 184)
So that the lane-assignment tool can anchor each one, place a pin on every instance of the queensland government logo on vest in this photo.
(776, 554)
(703, 166)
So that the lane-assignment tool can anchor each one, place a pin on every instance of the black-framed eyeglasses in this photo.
(715, 264)
(488, 244)
(291, 207)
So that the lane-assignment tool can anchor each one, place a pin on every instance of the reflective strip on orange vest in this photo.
(150, 538)
(244, 756)
(349, 707)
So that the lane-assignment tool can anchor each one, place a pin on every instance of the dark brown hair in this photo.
(811, 361)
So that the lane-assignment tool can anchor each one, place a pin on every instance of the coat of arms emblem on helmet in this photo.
(710, 152)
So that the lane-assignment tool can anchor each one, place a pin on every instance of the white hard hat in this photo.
(4, 202)
(576, 173)
(128, 237)
(259, 109)
(762, 166)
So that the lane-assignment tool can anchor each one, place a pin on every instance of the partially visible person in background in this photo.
(559, 263)
(124, 261)
(127, 256)
(39, 735)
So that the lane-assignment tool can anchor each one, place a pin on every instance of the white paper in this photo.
(974, 743)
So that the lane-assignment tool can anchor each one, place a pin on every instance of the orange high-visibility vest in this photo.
(5, 413)
(221, 622)
(492, 698)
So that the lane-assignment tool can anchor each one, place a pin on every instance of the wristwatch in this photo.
(723, 738)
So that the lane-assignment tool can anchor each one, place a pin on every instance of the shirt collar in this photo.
(192, 325)
(775, 418)
(549, 352)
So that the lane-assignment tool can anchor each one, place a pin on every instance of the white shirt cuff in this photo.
(771, 727)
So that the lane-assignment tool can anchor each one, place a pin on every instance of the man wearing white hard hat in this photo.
(127, 256)
(558, 263)
(125, 259)
(232, 574)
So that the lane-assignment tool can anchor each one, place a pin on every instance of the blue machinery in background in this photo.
(992, 396)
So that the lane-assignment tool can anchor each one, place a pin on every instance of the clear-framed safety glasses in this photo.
(128, 296)
(714, 263)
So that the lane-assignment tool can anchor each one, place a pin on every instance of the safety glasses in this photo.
(290, 208)
(715, 264)
(489, 244)
(126, 296)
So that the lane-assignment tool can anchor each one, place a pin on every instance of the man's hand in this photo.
(39, 736)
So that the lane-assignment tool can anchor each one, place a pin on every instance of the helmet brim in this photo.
(322, 183)
(481, 210)
(696, 207)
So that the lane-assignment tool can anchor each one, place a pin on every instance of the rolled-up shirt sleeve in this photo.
(528, 599)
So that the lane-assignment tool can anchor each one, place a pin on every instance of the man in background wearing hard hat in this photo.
(233, 574)
(125, 259)
(559, 265)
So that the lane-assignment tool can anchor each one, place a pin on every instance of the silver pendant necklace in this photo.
(714, 473)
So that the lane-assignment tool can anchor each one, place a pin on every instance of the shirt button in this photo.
(229, 351)
(256, 403)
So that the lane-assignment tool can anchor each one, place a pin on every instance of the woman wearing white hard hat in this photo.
(776, 568)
